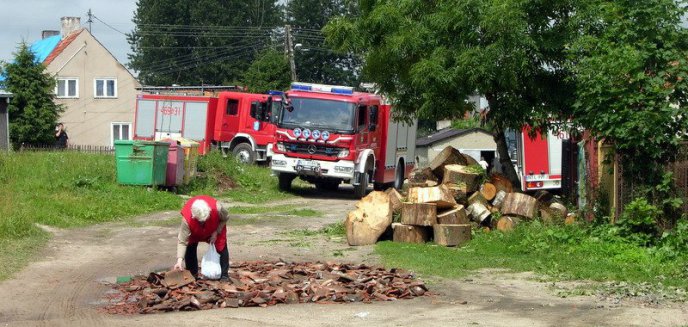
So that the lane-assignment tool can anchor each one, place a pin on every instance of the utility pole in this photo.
(289, 50)
(90, 20)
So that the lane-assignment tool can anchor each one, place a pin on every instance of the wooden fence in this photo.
(73, 148)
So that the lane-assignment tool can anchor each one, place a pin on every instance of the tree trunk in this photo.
(504, 158)
(489, 191)
(458, 175)
(519, 204)
(395, 198)
(452, 235)
(369, 220)
(448, 156)
(453, 216)
(439, 195)
(419, 214)
(507, 223)
(410, 233)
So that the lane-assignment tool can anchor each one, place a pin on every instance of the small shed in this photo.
(4, 120)
(475, 142)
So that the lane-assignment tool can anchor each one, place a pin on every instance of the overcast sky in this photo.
(25, 19)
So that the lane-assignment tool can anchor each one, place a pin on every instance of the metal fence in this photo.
(73, 148)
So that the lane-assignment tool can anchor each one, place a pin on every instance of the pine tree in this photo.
(32, 112)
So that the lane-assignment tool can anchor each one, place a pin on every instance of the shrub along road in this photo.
(64, 285)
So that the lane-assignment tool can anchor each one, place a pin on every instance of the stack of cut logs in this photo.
(443, 202)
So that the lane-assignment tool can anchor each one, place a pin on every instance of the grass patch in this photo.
(560, 252)
(331, 230)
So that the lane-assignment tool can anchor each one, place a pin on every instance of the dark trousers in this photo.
(191, 258)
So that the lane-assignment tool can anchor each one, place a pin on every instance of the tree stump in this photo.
(452, 235)
(419, 214)
(439, 195)
(559, 210)
(489, 191)
(422, 175)
(368, 221)
(453, 216)
(410, 233)
(396, 199)
(507, 223)
(458, 191)
(519, 204)
(479, 212)
(448, 156)
(477, 197)
(499, 199)
(501, 183)
(458, 174)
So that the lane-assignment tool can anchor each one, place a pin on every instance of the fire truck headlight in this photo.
(316, 134)
(325, 135)
(281, 147)
(306, 133)
(343, 153)
(297, 132)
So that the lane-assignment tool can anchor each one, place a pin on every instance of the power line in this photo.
(108, 25)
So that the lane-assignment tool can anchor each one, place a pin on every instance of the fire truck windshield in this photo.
(332, 115)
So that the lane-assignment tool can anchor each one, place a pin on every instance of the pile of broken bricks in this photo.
(445, 202)
(262, 284)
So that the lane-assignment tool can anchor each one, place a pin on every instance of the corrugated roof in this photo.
(446, 133)
(61, 46)
(44, 47)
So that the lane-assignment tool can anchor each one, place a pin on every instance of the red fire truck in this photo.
(327, 135)
(234, 122)
(539, 159)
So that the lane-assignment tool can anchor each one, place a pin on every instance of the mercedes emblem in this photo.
(312, 149)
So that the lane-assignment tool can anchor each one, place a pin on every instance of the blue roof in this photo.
(41, 49)
(44, 47)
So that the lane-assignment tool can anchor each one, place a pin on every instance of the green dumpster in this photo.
(141, 162)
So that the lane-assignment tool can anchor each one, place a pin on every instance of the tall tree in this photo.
(631, 68)
(270, 71)
(199, 41)
(315, 61)
(429, 56)
(32, 112)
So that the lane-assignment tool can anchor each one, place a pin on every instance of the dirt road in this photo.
(64, 285)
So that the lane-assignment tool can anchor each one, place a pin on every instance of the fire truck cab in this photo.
(328, 134)
(235, 122)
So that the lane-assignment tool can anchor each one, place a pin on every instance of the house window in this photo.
(105, 88)
(67, 88)
(120, 131)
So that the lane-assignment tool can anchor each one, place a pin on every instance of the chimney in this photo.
(69, 25)
(48, 33)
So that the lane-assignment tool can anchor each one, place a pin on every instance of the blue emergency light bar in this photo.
(271, 92)
(308, 87)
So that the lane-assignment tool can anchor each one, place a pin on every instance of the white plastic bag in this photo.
(210, 264)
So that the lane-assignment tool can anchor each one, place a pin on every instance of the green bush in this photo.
(638, 223)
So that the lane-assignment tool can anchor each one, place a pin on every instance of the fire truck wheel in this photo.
(399, 178)
(285, 181)
(362, 187)
(244, 153)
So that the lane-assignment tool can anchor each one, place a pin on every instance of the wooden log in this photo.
(396, 199)
(559, 210)
(501, 183)
(507, 223)
(458, 174)
(570, 219)
(489, 191)
(479, 213)
(477, 197)
(410, 233)
(458, 191)
(419, 214)
(452, 235)
(448, 156)
(543, 196)
(369, 220)
(469, 160)
(454, 216)
(499, 199)
(422, 175)
(439, 195)
(519, 204)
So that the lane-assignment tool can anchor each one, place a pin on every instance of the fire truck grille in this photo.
(313, 149)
